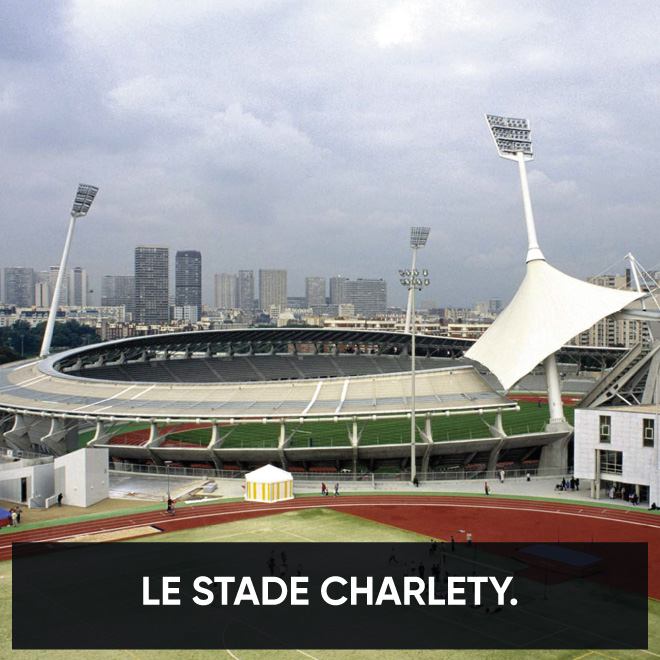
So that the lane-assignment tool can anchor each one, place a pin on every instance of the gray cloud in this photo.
(311, 135)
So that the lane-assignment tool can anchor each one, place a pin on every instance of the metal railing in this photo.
(393, 477)
(173, 471)
(19, 453)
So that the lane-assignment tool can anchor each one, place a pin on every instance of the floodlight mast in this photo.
(418, 238)
(81, 204)
(412, 281)
(513, 139)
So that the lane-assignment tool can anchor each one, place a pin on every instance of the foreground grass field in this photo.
(311, 526)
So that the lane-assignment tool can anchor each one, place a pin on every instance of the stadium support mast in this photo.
(412, 281)
(83, 200)
(513, 139)
(418, 238)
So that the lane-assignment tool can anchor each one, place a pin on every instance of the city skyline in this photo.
(280, 150)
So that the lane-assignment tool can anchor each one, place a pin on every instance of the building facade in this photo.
(226, 291)
(615, 449)
(53, 272)
(272, 288)
(151, 284)
(188, 279)
(19, 286)
(337, 292)
(245, 291)
(368, 297)
(78, 287)
(118, 291)
(315, 291)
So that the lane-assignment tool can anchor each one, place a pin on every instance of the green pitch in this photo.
(531, 418)
(311, 526)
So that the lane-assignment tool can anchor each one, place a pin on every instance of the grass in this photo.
(531, 418)
(310, 525)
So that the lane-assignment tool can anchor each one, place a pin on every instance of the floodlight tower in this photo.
(418, 238)
(412, 281)
(513, 139)
(83, 200)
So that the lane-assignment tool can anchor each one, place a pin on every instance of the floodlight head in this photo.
(402, 273)
(419, 236)
(512, 136)
(84, 198)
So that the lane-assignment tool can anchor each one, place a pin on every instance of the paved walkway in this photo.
(155, 488)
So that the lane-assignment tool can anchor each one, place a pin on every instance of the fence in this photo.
(19, 453)
(401, 477)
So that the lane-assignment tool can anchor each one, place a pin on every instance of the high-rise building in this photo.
(272, 288)
(369, 297)
(151, 284)
(41, 294)
(337, 289)
(53, 272)
(246, 290)
(19, 287)
(188, 279)
(226, 291)
(118, 290)
(315, 291)
(495, 305)
(78, 287)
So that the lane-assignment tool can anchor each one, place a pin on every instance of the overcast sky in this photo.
(310, 135)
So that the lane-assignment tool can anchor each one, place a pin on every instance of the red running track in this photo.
(439, 517)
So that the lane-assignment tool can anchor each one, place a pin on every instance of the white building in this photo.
(615, 448)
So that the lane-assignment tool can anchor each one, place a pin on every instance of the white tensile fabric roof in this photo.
(268, 474)
(549, 309)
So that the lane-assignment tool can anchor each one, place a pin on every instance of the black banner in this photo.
(329, 596)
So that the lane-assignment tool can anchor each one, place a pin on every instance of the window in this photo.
(648, 438)
(605, 428)
(611, 462)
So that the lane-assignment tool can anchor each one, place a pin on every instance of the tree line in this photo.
(20, 340)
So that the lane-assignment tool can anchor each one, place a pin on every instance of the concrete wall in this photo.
(82, 477)
(40, 483)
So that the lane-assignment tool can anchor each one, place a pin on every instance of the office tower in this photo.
(495, 305)
(369, 297)
(151, 284)
(315, 291)
(272, 288)
(118, 290)
(41, 294)
(226, 291)
(19, 287)
(337, 289)
(188, 279)
(78, 287)
(53, 272)
(246, 290)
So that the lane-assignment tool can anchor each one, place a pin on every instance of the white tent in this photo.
(549, 309)
(268, 484)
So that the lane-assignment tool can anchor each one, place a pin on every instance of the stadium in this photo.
(217, 404)
(304, 399)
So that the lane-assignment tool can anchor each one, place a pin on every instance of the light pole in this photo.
(418, 238)
(412, 281)
(84, 198)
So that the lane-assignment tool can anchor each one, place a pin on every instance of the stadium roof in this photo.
(25, 389)
(548, 310)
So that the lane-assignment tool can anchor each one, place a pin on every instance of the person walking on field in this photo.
(324, 489)
(336, 490)
(486, 488)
